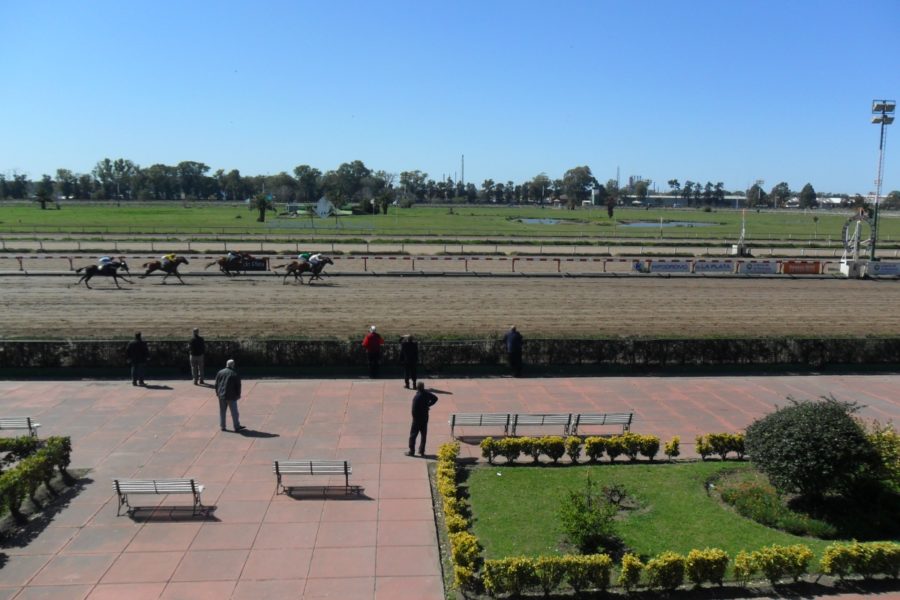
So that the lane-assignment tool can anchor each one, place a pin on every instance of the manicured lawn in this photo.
(472, 221)
(515, 509)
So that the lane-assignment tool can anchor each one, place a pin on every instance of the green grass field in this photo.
(515, 512)
(473, 221)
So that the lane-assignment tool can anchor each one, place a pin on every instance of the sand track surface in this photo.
(44, 307)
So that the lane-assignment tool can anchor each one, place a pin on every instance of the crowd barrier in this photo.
(667, 266)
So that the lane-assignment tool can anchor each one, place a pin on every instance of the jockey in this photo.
(167, 260)
(233, 256)
(315, 260)
(104, 261)
(303, 258)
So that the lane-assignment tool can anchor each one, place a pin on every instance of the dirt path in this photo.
(38, 307)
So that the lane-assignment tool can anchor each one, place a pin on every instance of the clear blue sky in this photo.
(722, 90)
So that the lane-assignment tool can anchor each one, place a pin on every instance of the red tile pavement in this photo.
(257, 544)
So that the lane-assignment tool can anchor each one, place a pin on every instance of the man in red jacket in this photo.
(373, 343)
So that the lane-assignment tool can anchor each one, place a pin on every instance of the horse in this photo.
(108, 270)
(169, 267)
(231, 266)
(297, 269)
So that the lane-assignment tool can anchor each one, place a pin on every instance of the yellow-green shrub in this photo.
(666, 571)
(673, 448)
(573, 448)
(509, 576)
(587, 571)
(465, 550)
(448, 451)
(529, 447)
(594, 447)
(886, 441)
(866, 559)
(553, 446)
(456, 522)
(488, 449)
(549, 572)
(702, 446)
(649, 446)
(776, 562)
(744, 567)
(465, 578)
(631, 444)
(614, 447)
(509, 448)
(630, 572)
(704, 565)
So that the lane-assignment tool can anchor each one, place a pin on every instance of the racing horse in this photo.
(231, 266)
(297, 269)
(109, 270)
(169, 267)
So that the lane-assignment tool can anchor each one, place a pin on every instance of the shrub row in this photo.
(721, 444)
(773, 562)
(555, 447)
(465, 550)
(522, 574)
(865, 559)
(34, 468)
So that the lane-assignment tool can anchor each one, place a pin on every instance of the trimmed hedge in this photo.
(721, 444)
(863, 559)
(34, 468)
(555, 447)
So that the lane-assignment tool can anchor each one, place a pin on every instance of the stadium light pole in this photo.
(883, 111)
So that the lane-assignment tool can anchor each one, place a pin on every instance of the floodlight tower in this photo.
(883, 111)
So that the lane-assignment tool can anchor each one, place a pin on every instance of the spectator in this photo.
(421, 405)
(513, 341)
(409, 358)
(373, 343)
(197, 349)
(137, 354)
(228, 389)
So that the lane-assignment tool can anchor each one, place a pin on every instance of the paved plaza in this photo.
(258, 544)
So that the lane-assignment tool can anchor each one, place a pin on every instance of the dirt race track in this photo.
(48, 307)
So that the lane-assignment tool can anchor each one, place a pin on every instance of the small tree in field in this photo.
(811, 448)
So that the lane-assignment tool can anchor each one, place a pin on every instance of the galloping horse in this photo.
(169, 267)
(109, 270)
(231, 265)
(297, 269)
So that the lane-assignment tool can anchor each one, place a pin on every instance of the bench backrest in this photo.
(545, 419)
(155, 486)
(18, 423)
(604, 419)
(312, 467)
(477, 419)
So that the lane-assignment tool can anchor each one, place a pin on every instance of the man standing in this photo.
(421, 404)
(373, 343)
(409, 358)
(513, 341)
(137, 354)
(197, 348)
(228, 389)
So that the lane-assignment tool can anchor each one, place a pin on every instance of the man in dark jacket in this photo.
(513, 341)
(409, 358)
(196, 350)
(421, 404)
(137, 354)
(228, 389)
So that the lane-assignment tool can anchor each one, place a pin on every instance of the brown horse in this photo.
(297, 269)
(169, 268)
(231, 266)
(109, 270)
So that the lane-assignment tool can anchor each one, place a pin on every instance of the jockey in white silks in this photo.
(314, 260)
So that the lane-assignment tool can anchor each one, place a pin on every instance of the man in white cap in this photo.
(228, 389)
(373, 343)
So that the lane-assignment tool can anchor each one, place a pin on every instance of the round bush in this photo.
(811, 448)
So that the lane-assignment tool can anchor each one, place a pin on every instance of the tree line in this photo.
(369, 190)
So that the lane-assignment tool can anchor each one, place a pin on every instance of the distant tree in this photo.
(808, 197)
(66, 182)
(262, 204)
(708, 193)
(687, 192)
(539, 186)
(471, 192)
(780, 194)
(892, 200)
(613, 192)
(756, 197)
(577, 183)
(600, 195)
(487, 189)
(719, 193)
(44, 191)
(641, 189)
(413, 183)
(674, 187)
(309, 183)
(345, 184)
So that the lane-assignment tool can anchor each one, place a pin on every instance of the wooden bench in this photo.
(557, 419)
(19, 423)
(124, 487)
(312, 467)
(480, 420)
(623, 419)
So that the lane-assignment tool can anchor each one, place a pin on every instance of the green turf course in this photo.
(472, 221)
(515, 513)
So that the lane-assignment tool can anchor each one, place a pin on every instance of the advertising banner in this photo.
(883, 269)
(713, 266)
(801, 267)
(758, 267)
(670, 267)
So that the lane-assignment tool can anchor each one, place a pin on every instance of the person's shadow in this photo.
(252, 433)
(149, 386)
